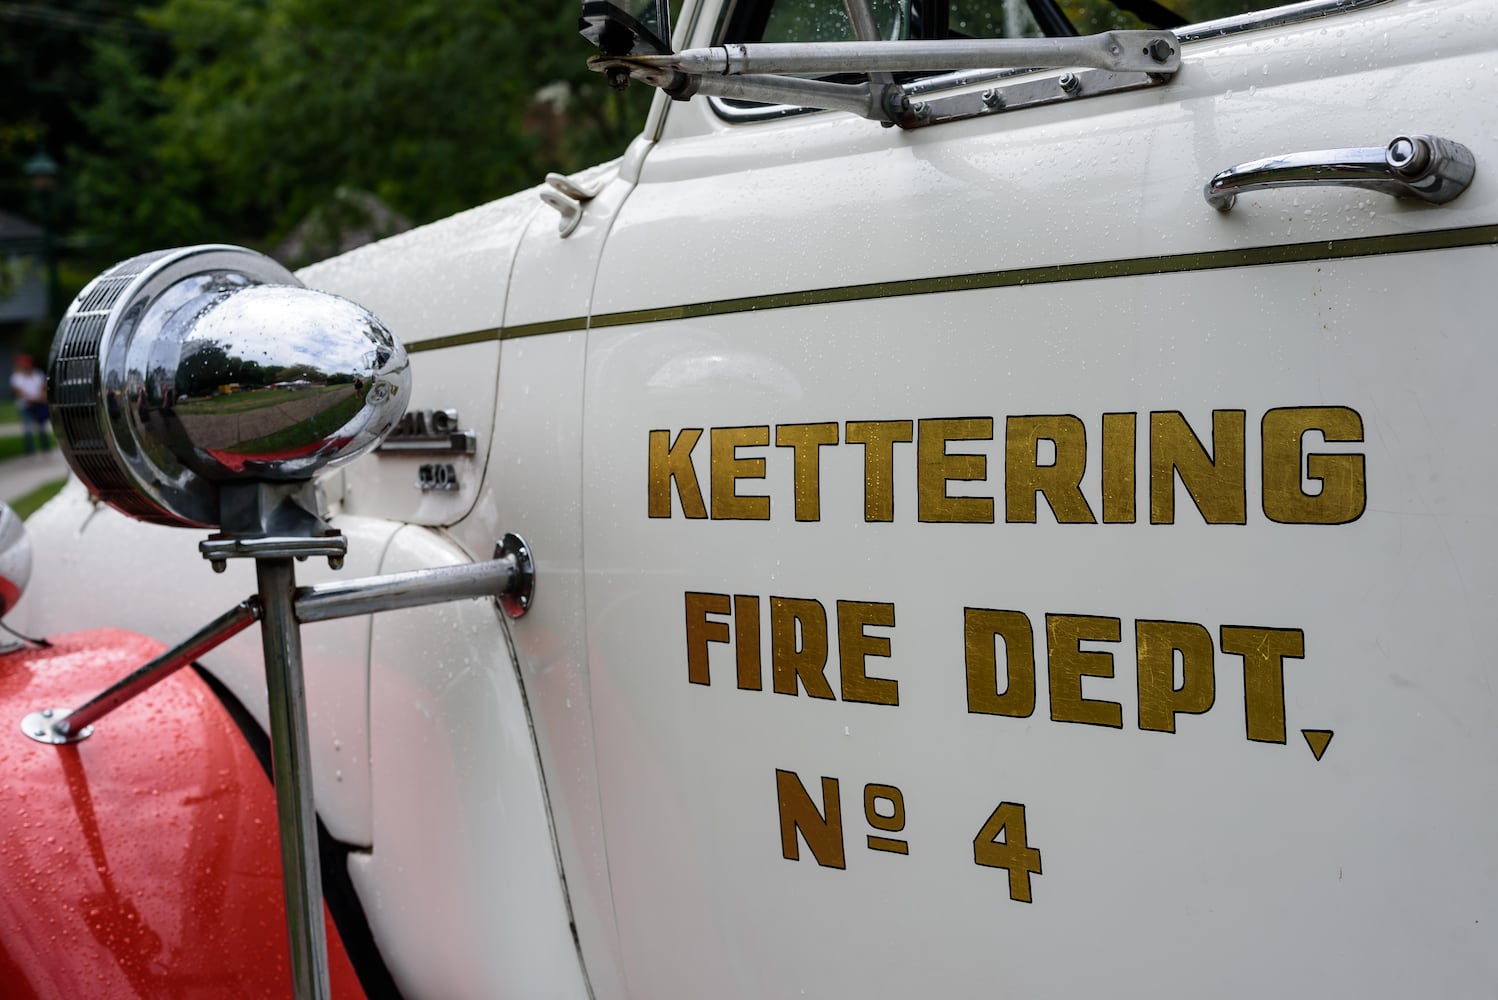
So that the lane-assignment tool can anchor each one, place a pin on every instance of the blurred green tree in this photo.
(180, 121)
(431, 106)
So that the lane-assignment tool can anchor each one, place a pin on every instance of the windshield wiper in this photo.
(760, 71)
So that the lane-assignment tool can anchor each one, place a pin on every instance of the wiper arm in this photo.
(761, 71)
(1142, 51)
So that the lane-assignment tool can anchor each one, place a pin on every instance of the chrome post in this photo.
(291, 772)
(509, 578)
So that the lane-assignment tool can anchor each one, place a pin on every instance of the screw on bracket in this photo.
(992, 99)
(1159, 50)
(1069, 83)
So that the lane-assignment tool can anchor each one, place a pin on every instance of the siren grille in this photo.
(73, 390)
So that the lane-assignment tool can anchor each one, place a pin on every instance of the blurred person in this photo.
(30, 388)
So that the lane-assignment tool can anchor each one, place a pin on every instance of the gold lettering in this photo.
(793, 618)
(879, 438)
(893, 823)
(701, 631)
(1060, 481)
(1119, 444)
(1343, 493)
(981, 627)
(1069, 663)
(1013, 853)
(807, 440)
(1215, 482)
(799, 814)
(935, 468)
(1264, 651)
(1160, 701)
(853, 645)
(728, 469)
(746, 641)
(672, 463)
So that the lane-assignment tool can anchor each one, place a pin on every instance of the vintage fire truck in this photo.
(981, 498)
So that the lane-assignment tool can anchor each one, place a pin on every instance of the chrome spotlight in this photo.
(15, 559)
(179, 372)
(205, 387)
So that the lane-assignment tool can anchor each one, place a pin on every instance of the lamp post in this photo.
(42, 172)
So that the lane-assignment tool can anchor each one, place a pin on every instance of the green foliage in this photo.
(180, 121)
(431, 106)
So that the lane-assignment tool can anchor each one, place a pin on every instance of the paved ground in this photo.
(19, 476)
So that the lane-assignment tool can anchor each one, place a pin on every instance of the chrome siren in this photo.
(178, 372)
(15, 559)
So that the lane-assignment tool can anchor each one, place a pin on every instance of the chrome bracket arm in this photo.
(763, 71)
(1410, 166)
(508, 579)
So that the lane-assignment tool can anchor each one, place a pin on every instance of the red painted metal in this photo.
(142, 861)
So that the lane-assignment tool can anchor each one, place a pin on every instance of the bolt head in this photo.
(1407, 155)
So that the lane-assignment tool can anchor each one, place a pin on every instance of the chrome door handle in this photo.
(1410, 166)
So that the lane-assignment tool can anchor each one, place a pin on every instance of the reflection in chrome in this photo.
(1426, 167)
(186, 368)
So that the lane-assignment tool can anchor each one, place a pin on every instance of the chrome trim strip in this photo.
(1272, 18)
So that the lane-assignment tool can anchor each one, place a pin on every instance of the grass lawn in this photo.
(10, 447)
(28, 504)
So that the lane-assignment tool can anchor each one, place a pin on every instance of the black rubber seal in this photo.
(337, 886)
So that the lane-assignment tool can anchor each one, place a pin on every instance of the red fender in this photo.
(144, 860)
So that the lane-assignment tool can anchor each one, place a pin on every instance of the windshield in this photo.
(827, 20)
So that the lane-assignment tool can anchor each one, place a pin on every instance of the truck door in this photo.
(1006, 571)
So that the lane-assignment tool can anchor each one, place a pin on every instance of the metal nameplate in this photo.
(430, 432)
(437, 477)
